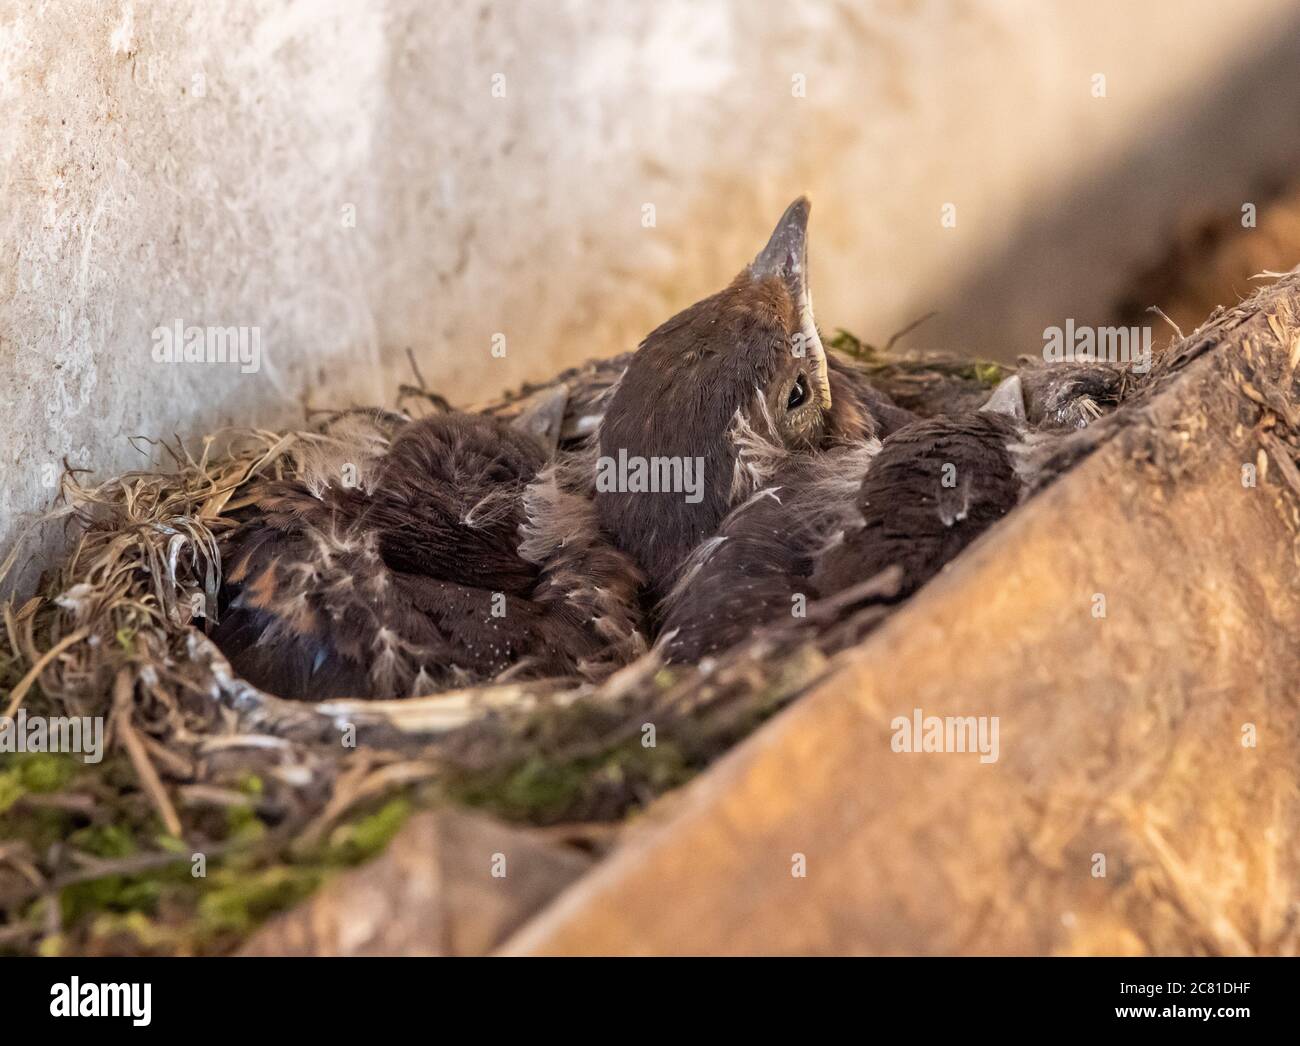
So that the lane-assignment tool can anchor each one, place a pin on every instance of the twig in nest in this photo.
(122, 704)
(75, 803)
(1161, 313)
(19, 857)
(136, 864)
(211, 795)
(415, 369)
(909, 328)
(421, 387)
(22, 641)
(441, 402)
(25, 684)
(347, 793)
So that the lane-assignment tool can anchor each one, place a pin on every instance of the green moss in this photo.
(11, 789)
(362, 839)
(43, 773)
(243, 825)
(33, 773)
(106, 840)
(986, 373)
(52, 946)
(850, 344)
(166, 909)
(533, 787)
(251, 784)
(113, 893)
(587, 763)
(170, 843)
(138, 932)
(235, 903)
(542, 790)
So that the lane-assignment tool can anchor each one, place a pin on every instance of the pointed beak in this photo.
(786, 253)
(786, 257)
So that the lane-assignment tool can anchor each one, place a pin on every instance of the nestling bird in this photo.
(802, 498)
(426, 571)
(826, 523)
(465, 548)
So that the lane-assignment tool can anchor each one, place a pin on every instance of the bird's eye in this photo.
(798, 393)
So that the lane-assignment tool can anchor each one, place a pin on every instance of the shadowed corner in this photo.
(1077, 249)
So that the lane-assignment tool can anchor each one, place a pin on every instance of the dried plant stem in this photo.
(123, 689)
(25, 684)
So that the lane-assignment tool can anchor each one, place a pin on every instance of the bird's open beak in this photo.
(786, 256)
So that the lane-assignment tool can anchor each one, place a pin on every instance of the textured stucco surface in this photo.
(202, 162)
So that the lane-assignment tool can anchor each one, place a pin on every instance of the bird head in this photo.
(724, 392)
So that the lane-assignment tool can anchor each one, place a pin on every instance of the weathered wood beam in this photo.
(1146, 792)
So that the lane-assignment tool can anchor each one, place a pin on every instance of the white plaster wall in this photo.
(196, 160)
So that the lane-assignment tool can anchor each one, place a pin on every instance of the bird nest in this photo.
(216, 804)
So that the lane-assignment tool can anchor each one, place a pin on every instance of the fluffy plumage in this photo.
(419, 579)
(830, 521)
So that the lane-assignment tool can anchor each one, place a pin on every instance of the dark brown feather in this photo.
(400, 588)
(935, 487)
(833, 520)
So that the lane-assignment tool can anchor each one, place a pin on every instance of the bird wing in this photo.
(935, 486)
